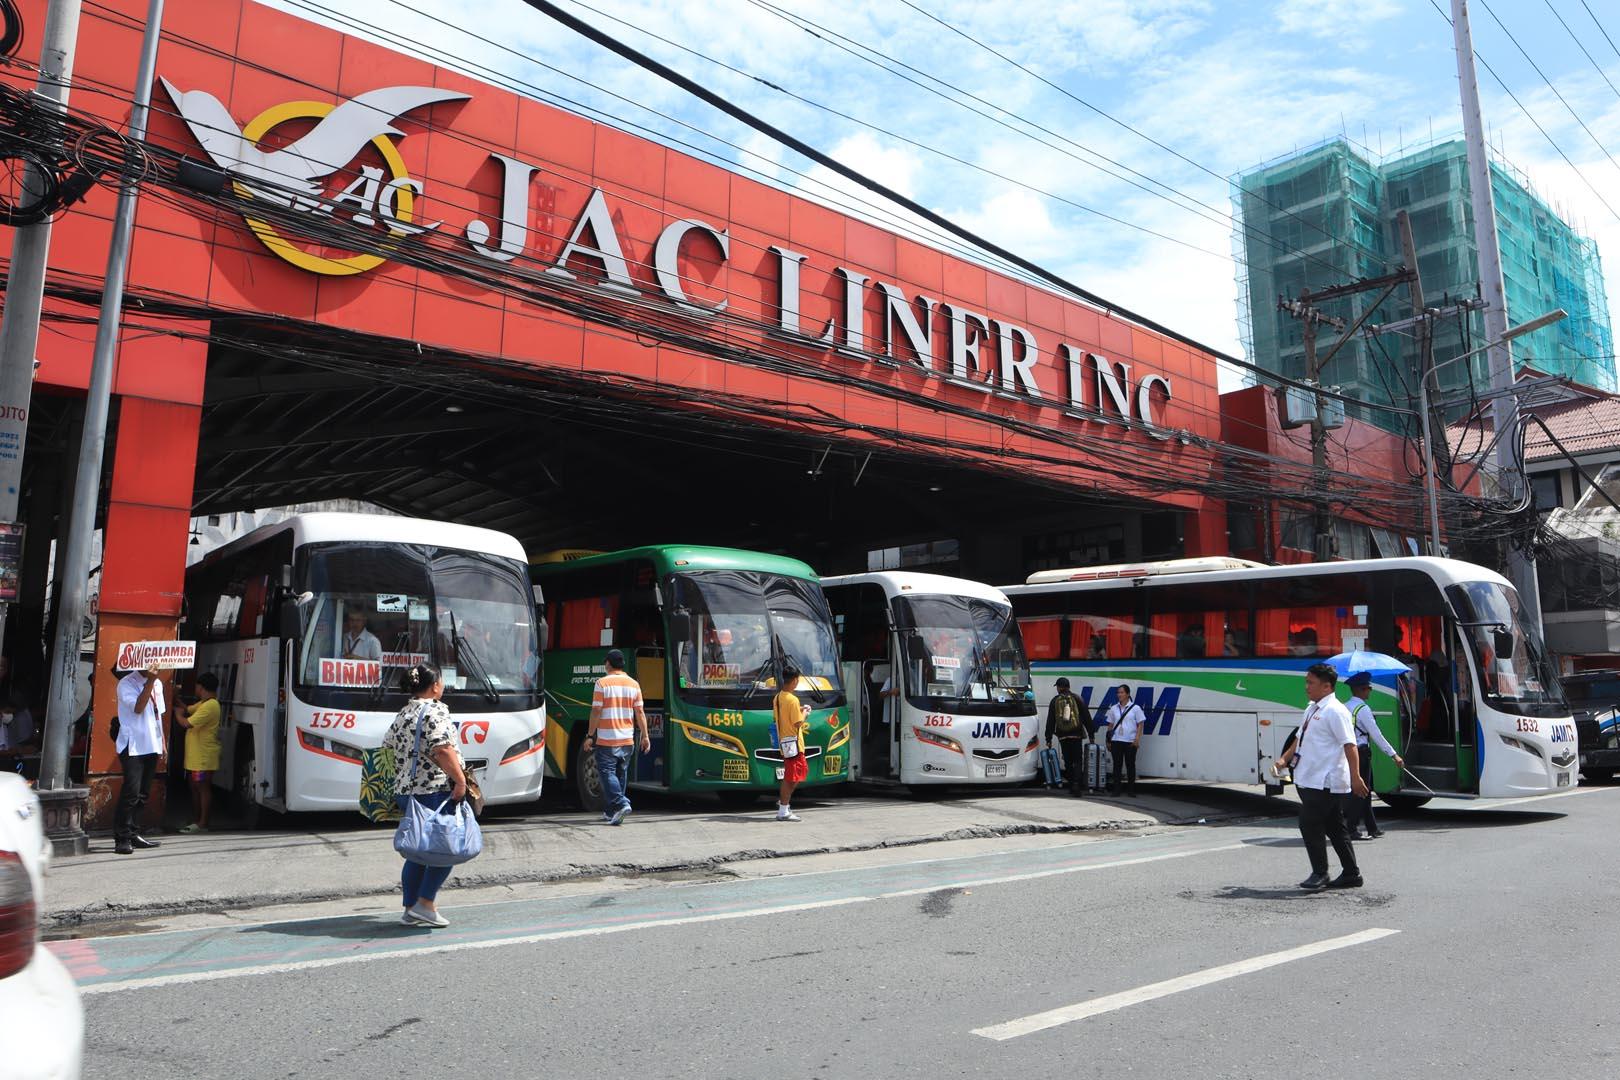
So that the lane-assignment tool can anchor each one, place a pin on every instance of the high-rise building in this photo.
(1327, 215)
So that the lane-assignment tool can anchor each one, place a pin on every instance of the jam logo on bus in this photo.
(336, 672)
(294, 176)
(1563, 733)
(1159, 712)
(474, 731)
(1005, 729)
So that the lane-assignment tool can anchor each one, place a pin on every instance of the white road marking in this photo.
(648, 924)
(1012, 1029)
(1492, 804)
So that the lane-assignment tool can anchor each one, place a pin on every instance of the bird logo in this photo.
(294, 176)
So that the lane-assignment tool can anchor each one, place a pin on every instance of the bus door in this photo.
(1440, 753)
(649, 768)
(880, 723)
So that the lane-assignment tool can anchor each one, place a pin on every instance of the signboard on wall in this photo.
(156, 655)
(11, 549)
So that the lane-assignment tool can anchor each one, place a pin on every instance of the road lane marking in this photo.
(967, 881)
(1492, 804)
(1028, 1025)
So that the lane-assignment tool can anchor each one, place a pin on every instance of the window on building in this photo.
(933, 553)
(1544, 489)
(1096, 546)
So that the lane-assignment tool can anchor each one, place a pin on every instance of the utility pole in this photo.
(1505, 409)
(75, 583)
(1425, 331)
(1306, 311)
(25, 287)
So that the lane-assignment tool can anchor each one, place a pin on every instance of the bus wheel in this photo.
(587, 781)
(926, 792)
(1598, 776)
(739, 800)
(248, 809)
(1403, 804)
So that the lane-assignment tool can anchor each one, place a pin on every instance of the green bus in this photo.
(705, 631)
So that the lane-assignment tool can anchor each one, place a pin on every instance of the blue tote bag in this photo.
(446, 836)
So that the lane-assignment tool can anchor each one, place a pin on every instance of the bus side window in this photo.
(585, 623)
(1043, 638)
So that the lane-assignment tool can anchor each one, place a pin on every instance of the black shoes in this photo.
(127, 847)
(124, 847)
(1315, 883)
(1346, 881)
(142, 842)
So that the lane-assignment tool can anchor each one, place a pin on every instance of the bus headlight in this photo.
(1520, 744)
(713, 740)
(840, 737)
(934, 738)
(533, 744)
(330, 747)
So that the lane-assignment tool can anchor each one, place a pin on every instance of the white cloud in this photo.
(1336, 20)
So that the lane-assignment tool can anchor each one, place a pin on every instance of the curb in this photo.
(107, 912)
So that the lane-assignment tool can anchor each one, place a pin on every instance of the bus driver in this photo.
(358, 642)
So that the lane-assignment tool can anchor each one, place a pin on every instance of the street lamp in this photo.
(1508, 335)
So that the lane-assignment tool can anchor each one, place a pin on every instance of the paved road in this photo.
(1182, 952)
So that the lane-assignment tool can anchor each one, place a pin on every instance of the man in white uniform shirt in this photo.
(1363, 821)
(1327, 769)
(358, 642)
(1125, 722)
(140, 747)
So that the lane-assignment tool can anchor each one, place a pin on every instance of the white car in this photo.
(41, 1019)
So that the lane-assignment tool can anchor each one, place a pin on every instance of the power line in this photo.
(1579, 44)
(1601, 29)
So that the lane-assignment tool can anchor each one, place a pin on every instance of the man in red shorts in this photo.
(792, 729)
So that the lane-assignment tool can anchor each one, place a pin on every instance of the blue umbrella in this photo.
(1373, 663)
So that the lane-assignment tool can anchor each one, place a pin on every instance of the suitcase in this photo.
(1052, 767)
(1099, 763)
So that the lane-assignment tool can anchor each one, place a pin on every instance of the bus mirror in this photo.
(680, 626)
(290, 618)
(1502, 638)
(545, 634)
(539, 595)
(285, 578)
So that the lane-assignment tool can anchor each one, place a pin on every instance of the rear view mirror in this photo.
(544, 631)
(680, 626)
(1502, 639)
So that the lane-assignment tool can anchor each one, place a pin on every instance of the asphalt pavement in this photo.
(1474, 950)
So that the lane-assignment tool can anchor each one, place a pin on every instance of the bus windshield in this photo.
(1513, 671)
(374, 609)
(962, 654)
(741, 623)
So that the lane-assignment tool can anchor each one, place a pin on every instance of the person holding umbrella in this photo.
(1363, 822)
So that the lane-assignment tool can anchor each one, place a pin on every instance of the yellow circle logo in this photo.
(405, 197)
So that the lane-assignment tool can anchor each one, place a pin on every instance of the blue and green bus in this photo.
(705, 630)
(1215, 649)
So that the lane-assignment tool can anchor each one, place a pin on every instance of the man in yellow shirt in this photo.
(201, 721)
(792, 729)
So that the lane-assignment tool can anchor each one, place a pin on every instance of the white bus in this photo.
(1214, 651)
(310, 624)
(965, 713)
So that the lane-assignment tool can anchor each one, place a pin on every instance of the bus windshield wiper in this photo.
(464, 651)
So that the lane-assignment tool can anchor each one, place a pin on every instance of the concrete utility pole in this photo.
(1505, 409)
(1425, 330)
(25, 289)
(75, 584)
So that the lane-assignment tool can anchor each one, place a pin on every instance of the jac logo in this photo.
(999, 730)
(1563, 733)
(474, 731)
(1158, 712)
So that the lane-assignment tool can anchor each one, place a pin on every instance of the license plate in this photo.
(995, 770)
(1563, 779)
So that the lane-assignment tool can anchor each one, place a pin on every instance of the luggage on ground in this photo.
(1052, 766)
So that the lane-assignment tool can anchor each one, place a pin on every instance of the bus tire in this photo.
(1403, 804)
(739, 800)
(249, 811)
(587, 781)
(926, 792)
(1598, 776)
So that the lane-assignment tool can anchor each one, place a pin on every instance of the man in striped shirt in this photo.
(617, 723)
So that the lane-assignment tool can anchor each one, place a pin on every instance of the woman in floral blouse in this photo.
(427, 768)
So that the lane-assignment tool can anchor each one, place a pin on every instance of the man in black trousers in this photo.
(140, 748)
(1327, 770)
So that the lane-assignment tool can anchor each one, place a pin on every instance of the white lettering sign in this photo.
(156, 655)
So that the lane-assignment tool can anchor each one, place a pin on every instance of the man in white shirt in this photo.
(1363, 822)
(1326, 770)
(358, 642)
(140, 748)
(1125, 723)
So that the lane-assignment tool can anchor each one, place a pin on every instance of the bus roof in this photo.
(669, 558)
(1443, 571)
(897, 582)
(333, 526)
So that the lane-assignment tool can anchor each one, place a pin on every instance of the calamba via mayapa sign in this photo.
(153, 655)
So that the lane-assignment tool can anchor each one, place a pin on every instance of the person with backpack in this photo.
(1125, 722)
(1066, 720)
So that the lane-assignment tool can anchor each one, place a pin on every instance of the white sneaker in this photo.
(426, 917)
(789, 816)
(405, 918)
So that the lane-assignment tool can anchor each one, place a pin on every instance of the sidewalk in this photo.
(339, 857)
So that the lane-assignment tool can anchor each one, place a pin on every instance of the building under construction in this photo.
(1327, 214)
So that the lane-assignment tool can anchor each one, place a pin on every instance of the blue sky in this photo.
(1225, 84)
